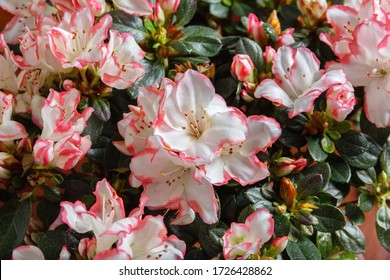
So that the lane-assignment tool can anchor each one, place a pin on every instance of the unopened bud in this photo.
(242, 68)
(285, 166)
(287, 192)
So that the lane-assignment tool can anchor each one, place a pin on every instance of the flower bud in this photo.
(287, 166)
(256, 29)
(287, 192)
(340, 101)
(242, 68)
(158, 16)
(169, 6)
(312, 10)
(246, 96)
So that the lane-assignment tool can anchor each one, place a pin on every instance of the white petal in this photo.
(28, 252)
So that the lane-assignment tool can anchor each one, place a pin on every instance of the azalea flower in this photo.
(9, 129)
(77, 41)
(195, 122)
(27, 13)
(243, 240)
(298, 80)
(121, 68)
(137, 127)
(173, 182)
(363, 54)
(106, 219)
(239, 162)
(60, 117)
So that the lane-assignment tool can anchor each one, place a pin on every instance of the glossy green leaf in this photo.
(327, 144)
(354, 213)
(51, 243)
(351, 239)
(324, 243)
(101, 109)
(366, 202)
(281, 225)
(198, 40)
(219, 10)
(352, 143)
(315, 149)
(185, 11)
(330, 218)
(310, 185)
(14, 221)
(304, 249)
(339, 170)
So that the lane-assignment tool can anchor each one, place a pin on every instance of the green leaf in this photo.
(270, 31)
(341, 127)
(101, 109)
(366, 159)
(94, 127)
(14, 221)
(383, 237)
(247, 211)
(354, 213)
(154, 73)
(253, 50)
(334, 135)
(281, 225)
(330, 218)
(255, 196)
(219, 10)
(339, 170)
(241, 9)
(47, 211)
(338, 191)
(352, 144)
(123, 22)
(322, 168)
(51, 243)
(185, 12)
(385, 160)
(366, 202)
(304, 249)
(367, 176)
(310, 185)
(383, 217)
(351, 239)
(315, 149)
(327, 144)
(52, 194)
(198, 40)
(324, 243)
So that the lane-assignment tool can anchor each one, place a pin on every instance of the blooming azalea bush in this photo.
(185, 129)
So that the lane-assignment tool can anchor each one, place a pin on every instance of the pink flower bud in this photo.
(158, 16)
(256, 29)
(279, 244)
(242, 68)
(312, 10)
(340, 101)
(269, 55)
(68, 85)
(287, 166)
(169, 6)
(286, 38)
(246, 96)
